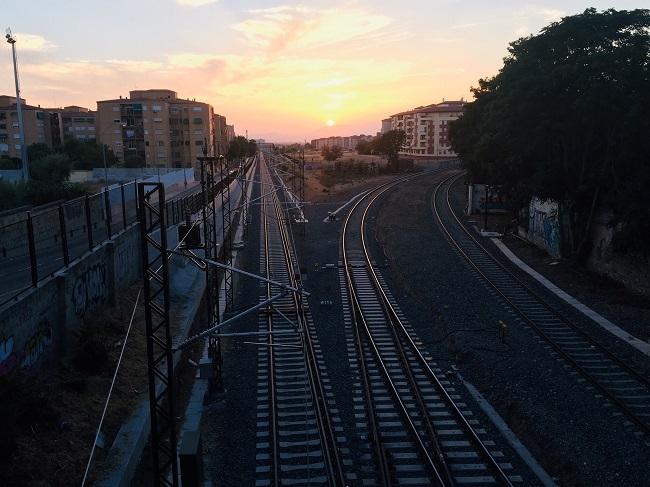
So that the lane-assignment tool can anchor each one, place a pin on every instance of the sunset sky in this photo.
(282, 70)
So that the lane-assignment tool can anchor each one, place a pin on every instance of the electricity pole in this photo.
(19, 109)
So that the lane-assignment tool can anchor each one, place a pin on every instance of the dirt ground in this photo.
(71, 397)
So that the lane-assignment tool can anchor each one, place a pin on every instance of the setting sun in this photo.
(330, 123)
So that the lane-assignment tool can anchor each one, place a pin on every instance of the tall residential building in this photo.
(230, 133)
(386, 125)
(36, 126)
(166, 131)
(220, 134)
(427, 128)
(70, 122)
(345, 143)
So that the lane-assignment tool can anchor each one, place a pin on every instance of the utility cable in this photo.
(119, 363)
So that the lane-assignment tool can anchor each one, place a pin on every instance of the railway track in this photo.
(419, 430)
(299, 436)
(618, 383)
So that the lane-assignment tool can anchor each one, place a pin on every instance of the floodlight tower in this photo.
(19, 108)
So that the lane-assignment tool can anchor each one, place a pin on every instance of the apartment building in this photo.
(230, 133)
(70, 122)
(35, 121)
(427, 128)
(166, 131)
(345, 143)
(220, 136)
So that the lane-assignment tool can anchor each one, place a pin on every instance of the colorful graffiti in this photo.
(34, 348)
(543, 226)
(37, 344)
(89, 289)
(8, 359)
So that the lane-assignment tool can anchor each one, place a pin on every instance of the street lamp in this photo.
(19, 109)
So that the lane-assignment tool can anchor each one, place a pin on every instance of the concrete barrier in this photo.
(36, 327)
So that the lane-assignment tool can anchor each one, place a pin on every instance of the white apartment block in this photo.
(427, 129)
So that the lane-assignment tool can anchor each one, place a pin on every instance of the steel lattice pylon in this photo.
(209, 217)
(227, 238)
(155, 273)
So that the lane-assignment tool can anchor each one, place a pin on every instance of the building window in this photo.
(156, 108)
(116, 108)
(198, 142)
(157, 120)
(161, 143)
(198, 109)
(197, 120)
(146, 143)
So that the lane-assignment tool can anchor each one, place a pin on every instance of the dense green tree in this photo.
(566, 119)
(134, 161)
(88, 154)
(389, 144)
(7, 162)
(365, 147)
(54, 168)
(38, 151)
(241, 147)
(331, 153)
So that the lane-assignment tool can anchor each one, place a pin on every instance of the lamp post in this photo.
(19, 109)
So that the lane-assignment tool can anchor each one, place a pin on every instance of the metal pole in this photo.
(89, 224)
(486, 207)
(105, 170)
(32, 249)
(107, 207)
(19, 109)
(123, 207)
(64, 237)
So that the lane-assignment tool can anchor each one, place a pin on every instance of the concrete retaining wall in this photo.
(36, 327)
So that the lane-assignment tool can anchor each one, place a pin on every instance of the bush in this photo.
(7, 162)
(52, 168)
(134, 161)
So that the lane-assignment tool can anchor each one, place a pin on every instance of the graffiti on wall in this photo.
(37, 344)
(34, 348)
(543, 226)
(126, 263)
(89, 289)
(8, 358)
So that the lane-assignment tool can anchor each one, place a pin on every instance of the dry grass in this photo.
(56, 453)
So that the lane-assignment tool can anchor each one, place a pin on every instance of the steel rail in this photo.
(610, 355)
(275, 455)
(326, 429)
(431, 463)
(398, 328)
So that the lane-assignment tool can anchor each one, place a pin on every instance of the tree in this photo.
(134, 161)
(54, 168)
(389, 144)
(38, 151)
(88, 154)
(331, 153)
(566, 119)
(364, 147)
(7, 162)
(241, 147)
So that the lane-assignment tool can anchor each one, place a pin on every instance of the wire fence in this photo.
(44, 242)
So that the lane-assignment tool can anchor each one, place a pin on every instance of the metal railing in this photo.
(44, 242)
